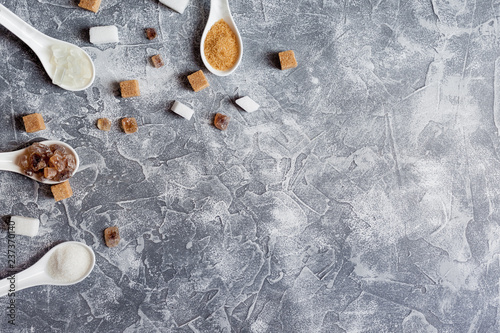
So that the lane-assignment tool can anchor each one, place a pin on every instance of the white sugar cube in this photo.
(247, 104)
(104, 34)
(24, 226)
(182, 110)
(177, 5)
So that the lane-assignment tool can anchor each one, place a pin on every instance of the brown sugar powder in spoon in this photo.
(221, 46)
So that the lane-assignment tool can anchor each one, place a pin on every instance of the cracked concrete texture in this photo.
(361, 197)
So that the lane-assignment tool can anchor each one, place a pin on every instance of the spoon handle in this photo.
(8, 161)
(219, 9)
(22, 280)
(21, 29)
(5, 286)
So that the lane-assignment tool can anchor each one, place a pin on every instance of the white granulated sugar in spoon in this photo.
(69, 263)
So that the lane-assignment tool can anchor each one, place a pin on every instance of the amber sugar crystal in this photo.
(130, 88)
(61, 191)
(49, 173)
(221, 46)
(52, 162)
(92, 5)
(221, 121)
(287, 60)
(157, 61)
(151, 33)
(112, 236)
(129, 125)
(33, 122)
(198, 81)
(104, 124)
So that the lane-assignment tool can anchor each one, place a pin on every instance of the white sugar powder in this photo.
(69, 263)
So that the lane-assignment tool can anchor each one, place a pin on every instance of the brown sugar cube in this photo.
(151, 33)
(61, 191)
(104, 124)
(130, 88)
(111, 236)
(157, 61)
(129, 125)
(198, 81)
(287, 60)
(34, 122)
(92, 5)
(221, 121)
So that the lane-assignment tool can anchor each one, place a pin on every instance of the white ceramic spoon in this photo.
(219, 9)
(39, 273)
(41, 44)
(10, 161)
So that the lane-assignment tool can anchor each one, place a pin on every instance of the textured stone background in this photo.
(362, 197)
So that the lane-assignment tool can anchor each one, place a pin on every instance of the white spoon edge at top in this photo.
(219, 9)
(9, 161)
(39, 43)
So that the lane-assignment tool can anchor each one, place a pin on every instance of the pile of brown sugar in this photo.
(221, 46)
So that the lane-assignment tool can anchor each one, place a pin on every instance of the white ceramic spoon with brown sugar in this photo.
(10, 161)
(219, 9)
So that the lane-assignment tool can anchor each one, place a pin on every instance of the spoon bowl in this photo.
(43, 46)
(10, 161)
(39, 274)
(219, 9)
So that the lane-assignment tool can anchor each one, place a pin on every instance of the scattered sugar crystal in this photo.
(112, 236)
(177, 5)
(24, 225)
(58, 52)
(129, 125)
(59, 76)
(221, 121)
(247, 104)
(104, 124)
(104, 34)
(182, 110)
(151, 33)
(49, 172)
(157, 61)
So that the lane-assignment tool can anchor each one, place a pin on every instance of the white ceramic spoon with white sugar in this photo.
(42, 45)
(41, 273)
(219, 9)
(10, 161)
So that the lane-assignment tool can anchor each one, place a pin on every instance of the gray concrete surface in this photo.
(362, 197)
